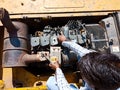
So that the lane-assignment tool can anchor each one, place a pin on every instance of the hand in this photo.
(54, 65)
(61, 38)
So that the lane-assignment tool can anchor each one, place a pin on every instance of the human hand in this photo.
(54, 65)
(61, 38)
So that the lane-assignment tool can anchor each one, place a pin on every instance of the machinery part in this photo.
(44, 55)
(73, 35)
(98, 36)
(38, 33)
(55, 53)
(35, 41)
(82, 37)
(44, 40)
(53, 40)
(38, 83)
(16, 43)
(65, 30)
(73, 30)
(117, 19)
(16, 47)
(111, 25)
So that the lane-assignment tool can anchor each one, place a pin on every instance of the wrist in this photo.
(57, 67)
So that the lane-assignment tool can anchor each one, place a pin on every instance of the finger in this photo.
(50, 64)
(61, 33)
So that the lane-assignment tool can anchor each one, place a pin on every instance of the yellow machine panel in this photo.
(20, 67)
(57, 8)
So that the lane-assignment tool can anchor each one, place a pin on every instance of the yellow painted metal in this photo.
(44, 8)
(29, 88)
(2, 84)
(7, 80)
(7, 77)
(28, 79)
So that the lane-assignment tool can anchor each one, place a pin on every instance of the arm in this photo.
(73, 46)
(60, 78)
(76, 48)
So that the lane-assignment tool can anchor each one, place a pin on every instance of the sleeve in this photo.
(76, 48)
(61, 80)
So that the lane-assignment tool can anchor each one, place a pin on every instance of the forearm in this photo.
(76, 48)
(61, 80)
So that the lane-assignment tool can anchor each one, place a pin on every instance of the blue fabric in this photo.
(87, 86)
(118, 89)
(52, 85)
(73, 87)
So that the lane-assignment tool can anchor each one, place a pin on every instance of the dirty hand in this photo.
(54, 65)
